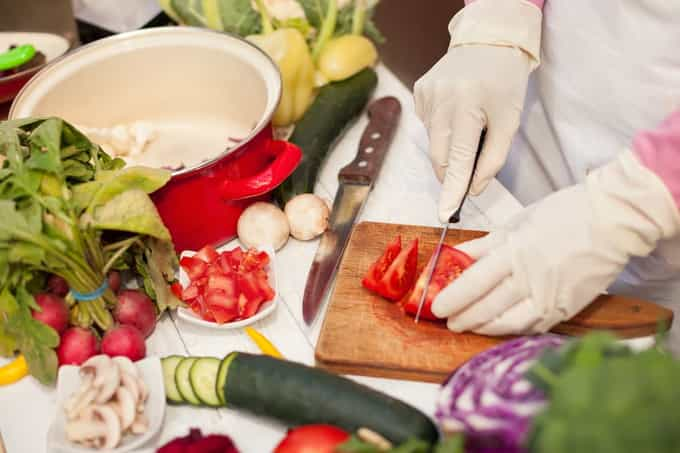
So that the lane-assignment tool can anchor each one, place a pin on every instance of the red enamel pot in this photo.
(209, 98)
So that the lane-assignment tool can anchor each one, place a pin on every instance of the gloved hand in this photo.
(480, 83)
(561, 253)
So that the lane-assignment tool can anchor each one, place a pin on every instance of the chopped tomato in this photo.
(378, 269)
(177, 289)
(226, 286)
(207, 254)
(194, 267)
(450, 265)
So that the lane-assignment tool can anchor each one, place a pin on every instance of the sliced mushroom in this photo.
(124, 407)
(140, 425)
(97, 366)
(85, 430)
(81, 401)
(109, 384)
(113, 433)
(130, 383)
(126, 365)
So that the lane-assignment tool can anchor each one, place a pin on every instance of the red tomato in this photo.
(224, 283)
(451, 264)
(401, 274)
(253, 260)
(378, 269)
(194, 267)
(222, 306)
(312, 439)
(207, 254)
(177, 290)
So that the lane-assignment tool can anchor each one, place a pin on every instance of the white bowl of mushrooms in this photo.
(107, 404)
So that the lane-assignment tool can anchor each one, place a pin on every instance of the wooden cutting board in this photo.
(364, 334)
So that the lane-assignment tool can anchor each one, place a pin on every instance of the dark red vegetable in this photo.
(196, 442)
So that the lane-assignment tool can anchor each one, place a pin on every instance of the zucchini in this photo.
(334, 108)
(203, 378)
(222, 376)
(298, 395)
(169, 366)
(183, 383)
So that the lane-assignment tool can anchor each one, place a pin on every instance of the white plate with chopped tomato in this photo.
(227, 288)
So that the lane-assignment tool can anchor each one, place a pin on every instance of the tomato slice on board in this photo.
(451, 264)
(207, 254)
(194, 267)
(371, 280)
(401, 274)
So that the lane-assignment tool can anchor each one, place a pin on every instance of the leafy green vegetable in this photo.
(239, 17)
(611, 403)
(61, 199)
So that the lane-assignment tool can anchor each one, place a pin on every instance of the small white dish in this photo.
(265, 310)
(68, 381)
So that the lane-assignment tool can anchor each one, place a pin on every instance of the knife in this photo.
(356, 181)
(455, 218)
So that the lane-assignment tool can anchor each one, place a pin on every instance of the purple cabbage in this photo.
(490, 400)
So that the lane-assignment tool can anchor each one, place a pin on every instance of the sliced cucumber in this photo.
(183, 383)
(222, 376)
(203, 377)
(169, 365)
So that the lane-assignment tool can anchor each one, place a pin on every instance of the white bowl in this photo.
(265, 310)
(67, 384)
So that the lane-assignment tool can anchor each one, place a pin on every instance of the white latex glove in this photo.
(480, 83)
(561, 253)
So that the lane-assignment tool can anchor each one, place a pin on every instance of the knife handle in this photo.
(383, 116)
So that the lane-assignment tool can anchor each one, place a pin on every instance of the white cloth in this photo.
(116, 15)
(607, 70)
(561, 252)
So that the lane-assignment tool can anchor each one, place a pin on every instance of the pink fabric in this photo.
(538, 3)
(659, 150)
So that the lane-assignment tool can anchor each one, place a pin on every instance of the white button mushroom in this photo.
(263, 224)
(307, 216)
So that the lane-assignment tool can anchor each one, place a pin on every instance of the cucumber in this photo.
(334, 108)
(222, 376)
(183, 382)
(203, 378)
(169, 366)
(298, 395)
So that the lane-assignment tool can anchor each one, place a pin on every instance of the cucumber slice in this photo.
(183, 383)
(222, 376)
(169, 366)
(203, 378)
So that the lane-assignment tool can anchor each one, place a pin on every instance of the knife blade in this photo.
(356, 180)
(455, 218)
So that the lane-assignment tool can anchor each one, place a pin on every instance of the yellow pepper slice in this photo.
(261, 341)
(288, 48)
(13, 371)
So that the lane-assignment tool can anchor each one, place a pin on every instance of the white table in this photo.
(406, 192)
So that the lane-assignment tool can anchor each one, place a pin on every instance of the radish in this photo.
(114, 281)
(136, 309)
(76, 346)
(57, 285)
(54, 311)
(126, 341)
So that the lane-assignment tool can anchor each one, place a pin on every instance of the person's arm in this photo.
(659, 151)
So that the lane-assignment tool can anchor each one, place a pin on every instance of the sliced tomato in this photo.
(312, 439)
(375, 273)
(401, 274)
(450, 265)
(194, 267)
(207, 254)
